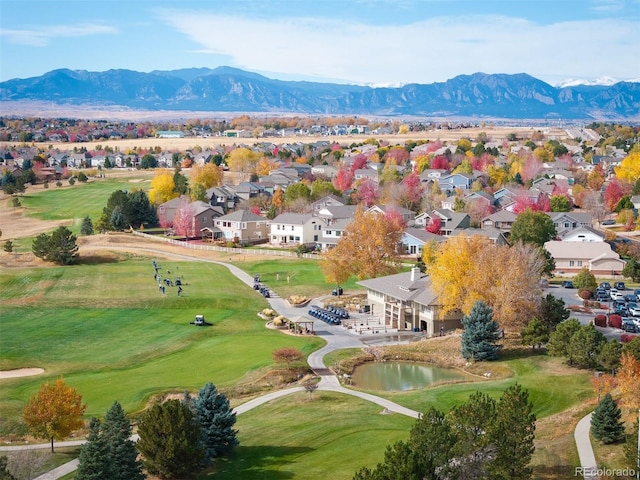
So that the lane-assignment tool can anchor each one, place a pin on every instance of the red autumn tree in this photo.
(368, 192)
(434, 225)
(343, 180)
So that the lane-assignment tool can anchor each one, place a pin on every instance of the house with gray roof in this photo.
(414, 239)
(501, 220)
(295, 229)
(406, 301)
(333, 232)
(243, 227)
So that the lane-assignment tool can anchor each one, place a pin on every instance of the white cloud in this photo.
(42, 36)
(423, 51)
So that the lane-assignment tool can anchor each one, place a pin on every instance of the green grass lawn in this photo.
(113, 336)
(327, 436)
(79, 200)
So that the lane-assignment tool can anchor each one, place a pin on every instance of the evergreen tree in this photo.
(605, 421)
(94, 461)
(87, 226)
(117, 220)
(609, 356)
(62, 247)
(180, 182)
(535, 333)
(170, 440)
(584, 347)
(5, 474)
(121, 450)
(513, 433)
(559, 340)
(553, 311)
(216, 421)
(481, 334)
(139, 209)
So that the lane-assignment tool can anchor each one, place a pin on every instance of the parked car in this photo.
(636, 292)
(634, 309)
(628, 325)
(619, 286)
(609, 221)
(629, 297)
(616, 295)
(567, 284)
(605, 285)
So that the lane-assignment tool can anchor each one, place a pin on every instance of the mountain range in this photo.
(226, 89)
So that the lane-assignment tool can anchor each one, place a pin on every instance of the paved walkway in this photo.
(337, 338)
(585, 450)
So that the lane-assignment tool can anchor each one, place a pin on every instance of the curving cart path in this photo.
(337, 338)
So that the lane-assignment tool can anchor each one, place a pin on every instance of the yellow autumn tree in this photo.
(242, 160)
(368, 247)
(162, 187)
(629, 380)
(208, 175)
(629, 169)
(264, 166)
(468, 269)
(54, 411)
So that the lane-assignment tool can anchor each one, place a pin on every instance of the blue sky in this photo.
(377, 42)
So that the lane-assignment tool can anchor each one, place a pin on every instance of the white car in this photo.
(616, 295)
(634, 309)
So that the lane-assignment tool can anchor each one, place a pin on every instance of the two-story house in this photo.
(406, 301)
(295, 229)
(243, 227)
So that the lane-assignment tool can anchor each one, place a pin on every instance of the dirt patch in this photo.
(15, 224)
(21, 372)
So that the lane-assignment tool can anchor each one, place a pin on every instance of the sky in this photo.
(367, 42)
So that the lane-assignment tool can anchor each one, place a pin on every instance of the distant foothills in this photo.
(226, 89)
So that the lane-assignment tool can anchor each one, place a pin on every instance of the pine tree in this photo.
(170, 440)
(94, 462)
(87, 226)
(481, 334)
(216, 420)
(631, 447)
(5, 474)
(605, 421)
(513, 434)
(121, 450)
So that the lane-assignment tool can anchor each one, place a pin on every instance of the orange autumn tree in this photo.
(629, 380)
(367, 248)
(603, 384)
(54, 411)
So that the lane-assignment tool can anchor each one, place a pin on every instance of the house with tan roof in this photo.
(597, 257)
(406, 301)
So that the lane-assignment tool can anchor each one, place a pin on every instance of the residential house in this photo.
(635, 199)
(332, 213)
(406, 301)
(362, 174)
(496, 236)
(449, 220)
(327, 201)
(223, 196)
(408, 216)
(333, 232)
(413, 240)
(454, 181)
(597, 257)
(325, 171)
(247, 190)
(501, 220)
(295, 229)
(243, 227)
(204, 216)
(583, 234)
(565, 221)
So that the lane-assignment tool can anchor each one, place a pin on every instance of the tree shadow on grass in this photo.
(98, 258)
(264, 462)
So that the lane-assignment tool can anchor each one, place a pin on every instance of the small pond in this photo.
(401, 376)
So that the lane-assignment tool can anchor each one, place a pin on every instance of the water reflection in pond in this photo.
(401, 376)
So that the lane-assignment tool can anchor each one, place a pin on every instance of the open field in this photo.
(494, 133)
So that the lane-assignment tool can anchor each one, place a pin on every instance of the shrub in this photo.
(615, 321)
(72, 181)
(585, 294)
(600, 321)
(58, 183)
(45, 184)
(626, 338)
(268, 312)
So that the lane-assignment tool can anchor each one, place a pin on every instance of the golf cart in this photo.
(200, 321)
